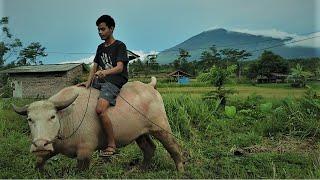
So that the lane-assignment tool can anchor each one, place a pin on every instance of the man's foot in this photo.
(109, 151)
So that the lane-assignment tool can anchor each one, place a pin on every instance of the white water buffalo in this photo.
(62, 115)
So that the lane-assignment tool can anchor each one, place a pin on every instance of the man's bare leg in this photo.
(101, 110)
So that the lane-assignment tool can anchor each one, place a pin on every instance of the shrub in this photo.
(7, 91)
(230, 111)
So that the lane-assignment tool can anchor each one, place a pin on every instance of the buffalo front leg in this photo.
(148, 147)
(171, 146)
(41, 160)
(83, 158)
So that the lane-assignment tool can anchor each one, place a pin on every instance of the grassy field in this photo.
(257, 142)
(242, 91)
(269, 91)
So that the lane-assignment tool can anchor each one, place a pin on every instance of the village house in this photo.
(42, 81)
(180, 76)
(274, 78)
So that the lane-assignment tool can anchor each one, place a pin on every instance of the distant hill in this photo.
(223, 38)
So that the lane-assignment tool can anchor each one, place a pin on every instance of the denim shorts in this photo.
(108, 91)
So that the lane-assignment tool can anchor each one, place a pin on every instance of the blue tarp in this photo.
(183, 80)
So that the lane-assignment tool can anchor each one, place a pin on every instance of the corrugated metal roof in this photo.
(179, 72)
(132, 55)
(42, 68)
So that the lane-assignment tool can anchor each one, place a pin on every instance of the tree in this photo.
(317, 73)
(218, 76)
(241, 55)
(298, 76)
(181, 62)
(146, 68)
(253, 70)
(267, 64)
(154, 65)
(308, 64)
(136, 67)
(209, 58)
(29, 54)
(235, 56)
(8, 45)
(228, 56)
(272, 63)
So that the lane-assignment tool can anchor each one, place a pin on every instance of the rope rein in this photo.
(61, 137)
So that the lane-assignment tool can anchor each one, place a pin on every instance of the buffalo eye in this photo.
(52, 117)
(30, 120)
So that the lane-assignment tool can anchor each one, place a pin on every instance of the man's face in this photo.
(104, 31)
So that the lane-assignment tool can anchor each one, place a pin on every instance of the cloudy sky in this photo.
(64, 26)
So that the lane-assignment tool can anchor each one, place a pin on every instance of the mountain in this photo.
(223, 38)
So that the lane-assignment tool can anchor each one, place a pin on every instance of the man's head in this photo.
(106, 26)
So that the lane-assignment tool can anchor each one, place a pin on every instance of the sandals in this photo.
(108, 152)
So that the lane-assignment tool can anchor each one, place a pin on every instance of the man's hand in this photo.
(101, 73)
(84, 84)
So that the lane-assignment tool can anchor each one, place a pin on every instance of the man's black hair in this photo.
(106, 19)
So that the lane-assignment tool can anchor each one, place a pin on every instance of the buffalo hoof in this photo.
(180, 168)
(40, 168)
(83, 164)
(134, 162)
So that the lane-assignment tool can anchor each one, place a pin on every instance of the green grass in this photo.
(270, 91)
(280, 143)
(242, 91)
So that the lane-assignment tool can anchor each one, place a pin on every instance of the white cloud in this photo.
(308, 42)
(143, 55)
(212, 28)
(268, 33)
(314, 42)
(86, 60)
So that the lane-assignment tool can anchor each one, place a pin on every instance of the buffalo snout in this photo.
(41, 146)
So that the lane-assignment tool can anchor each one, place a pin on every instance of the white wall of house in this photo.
(17, 88)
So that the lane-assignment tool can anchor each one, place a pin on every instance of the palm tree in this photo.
(298, 76)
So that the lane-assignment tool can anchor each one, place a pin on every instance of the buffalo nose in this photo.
(40, 143)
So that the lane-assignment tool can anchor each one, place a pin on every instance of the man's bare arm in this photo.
(114, 70)
(93, 70)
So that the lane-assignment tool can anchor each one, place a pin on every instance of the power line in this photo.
(278, 45)
(220, 46)
(56, 52)
(227, 45)
(238, 44)
(282, 44)
(245, 43)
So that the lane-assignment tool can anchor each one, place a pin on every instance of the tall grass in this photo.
(208, 137)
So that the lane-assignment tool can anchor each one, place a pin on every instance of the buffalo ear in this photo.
(20, 110)
(59, 105)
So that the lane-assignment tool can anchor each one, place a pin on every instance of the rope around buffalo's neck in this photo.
(60, 136)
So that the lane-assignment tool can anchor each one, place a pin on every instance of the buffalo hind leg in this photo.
(148, 147)
(171, 146)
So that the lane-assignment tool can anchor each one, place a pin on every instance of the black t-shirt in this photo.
(107, 57)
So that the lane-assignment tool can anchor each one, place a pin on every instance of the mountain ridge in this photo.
(223, 38)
